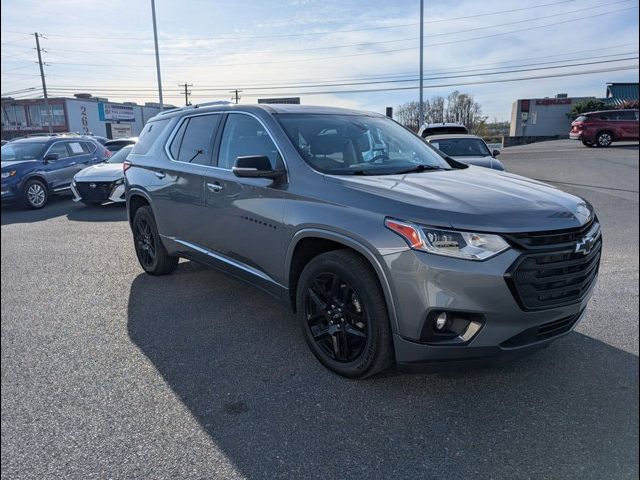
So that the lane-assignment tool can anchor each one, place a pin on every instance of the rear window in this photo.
(626, 115)
(444, 130)
(149, 135)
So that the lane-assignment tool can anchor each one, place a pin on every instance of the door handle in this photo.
(214, 187)
(160, 174)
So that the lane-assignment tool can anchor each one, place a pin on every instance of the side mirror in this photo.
(255, 166)
(495, 153)
(51, 157)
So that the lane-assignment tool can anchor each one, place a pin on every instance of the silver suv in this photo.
(387, 250)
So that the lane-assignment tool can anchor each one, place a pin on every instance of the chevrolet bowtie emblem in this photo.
(585, 245)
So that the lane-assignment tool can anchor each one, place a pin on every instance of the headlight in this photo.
(450, 243)
(9, 173)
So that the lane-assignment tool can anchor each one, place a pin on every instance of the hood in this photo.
(474, 198)
(101, 172)
(17, 163)
(487, 161)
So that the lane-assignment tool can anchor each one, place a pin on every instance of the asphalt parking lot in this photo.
(110, 373)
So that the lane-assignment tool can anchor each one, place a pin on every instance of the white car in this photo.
(103, 182)
(466, 149)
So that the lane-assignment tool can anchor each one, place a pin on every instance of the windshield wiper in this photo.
(419, 168)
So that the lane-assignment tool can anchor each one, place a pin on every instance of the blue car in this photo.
(34, 168)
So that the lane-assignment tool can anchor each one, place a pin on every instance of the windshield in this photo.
(461, 147)
(22, 151)
(121, 155)
(358, 145)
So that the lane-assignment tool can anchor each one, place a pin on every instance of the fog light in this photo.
(441, 321)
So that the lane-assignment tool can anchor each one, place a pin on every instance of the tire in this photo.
(604, 139)
(152, 255)
(35, 194)
(343, 315)
(587, 144)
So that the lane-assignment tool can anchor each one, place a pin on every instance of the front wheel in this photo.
(35, 194)
(604, 139)
(152, 255)
(343, 314)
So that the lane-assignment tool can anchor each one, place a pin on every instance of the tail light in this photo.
(126, 165)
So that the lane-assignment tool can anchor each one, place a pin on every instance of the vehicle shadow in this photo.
(237, 360)
(16, 213)
(110, 212)
(625, 146)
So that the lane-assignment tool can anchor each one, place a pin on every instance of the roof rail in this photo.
(215, 102)
(164, 112)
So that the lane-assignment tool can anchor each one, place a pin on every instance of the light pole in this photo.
(421, 107)
(155, 40)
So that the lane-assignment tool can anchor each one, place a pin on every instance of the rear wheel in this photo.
(35, 194)
(343, 315)
(152, 255)
(604, 139)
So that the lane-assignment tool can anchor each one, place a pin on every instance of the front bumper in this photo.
(10, 192)
(421, 283)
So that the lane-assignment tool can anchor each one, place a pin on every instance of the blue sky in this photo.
(107, 48)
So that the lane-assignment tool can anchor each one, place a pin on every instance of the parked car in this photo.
(115, 145)
(103, 182)
(34, 168)
(407, 256)
(441, 129)
(467, 149)
(601, 129)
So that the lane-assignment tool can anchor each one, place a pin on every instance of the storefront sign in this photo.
(109, 111)
(120, 131)
(553, 101)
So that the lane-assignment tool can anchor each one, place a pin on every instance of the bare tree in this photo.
(456, 107)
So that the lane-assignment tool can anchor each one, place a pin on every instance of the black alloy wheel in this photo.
(336, 318)
(343, 314)
(151, 253)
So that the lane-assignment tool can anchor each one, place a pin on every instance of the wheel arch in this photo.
(309, 243)
(135, 200)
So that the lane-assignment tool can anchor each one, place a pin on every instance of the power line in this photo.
(187, 92)
(310, 59)
(361, 44)
(326, 32)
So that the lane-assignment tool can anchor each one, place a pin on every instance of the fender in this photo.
(358, 247)
(133, 191)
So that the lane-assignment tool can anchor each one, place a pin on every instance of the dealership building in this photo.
(83, 114)
(542, 118)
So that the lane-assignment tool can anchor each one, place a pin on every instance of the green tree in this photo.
(591, 105)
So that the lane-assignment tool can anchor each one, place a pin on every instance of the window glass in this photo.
(150, 133)
(76, 148)
(626, 115)
(462, 147)
(358, 144)
(22, 151)
(243, 136)
(177, 140)
(14, 115)
(60, 148)
(197, 141)
(88, 147)
(39, 115)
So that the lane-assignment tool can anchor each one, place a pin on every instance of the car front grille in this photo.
(554, 271)
(94, 191)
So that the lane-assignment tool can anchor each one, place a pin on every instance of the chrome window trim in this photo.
(183, 119)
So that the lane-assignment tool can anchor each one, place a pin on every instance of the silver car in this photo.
(469, 149)
(387, 251)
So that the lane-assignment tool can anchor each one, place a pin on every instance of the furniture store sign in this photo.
(112, 112)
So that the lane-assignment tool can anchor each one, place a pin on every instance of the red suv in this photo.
(602, 128)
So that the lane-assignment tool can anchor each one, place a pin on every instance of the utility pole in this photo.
(236, 95)
(421, 108)
(44, 85)
(187, 92)
(155, 41)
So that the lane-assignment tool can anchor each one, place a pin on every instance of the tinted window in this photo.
(243, 136)
(602, 116)
(149, 135)
(121, 155)
(88, 147)
(177, 140)
(194, 142)
(626, 115)
(59, 148)
(462, 147)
